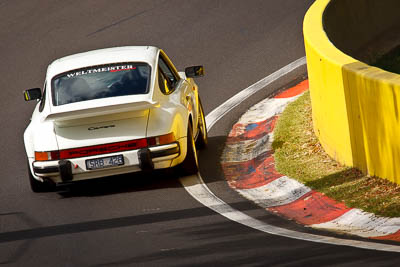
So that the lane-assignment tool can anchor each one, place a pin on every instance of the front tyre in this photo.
(202, 137)
(191, 164)
(38, 186)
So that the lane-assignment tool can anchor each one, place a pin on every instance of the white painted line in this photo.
(264, 110)
(195, 186)
(361, 223)
(279, 192)
(235, 100)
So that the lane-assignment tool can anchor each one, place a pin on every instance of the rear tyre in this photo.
(190, 165)
(38, 186)
(202, 137)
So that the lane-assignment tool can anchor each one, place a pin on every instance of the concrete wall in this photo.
(355, 106)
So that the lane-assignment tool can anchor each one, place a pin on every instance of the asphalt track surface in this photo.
(149, 219)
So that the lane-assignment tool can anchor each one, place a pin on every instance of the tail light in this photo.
(105, 148)
(50, 155)
(161, 140)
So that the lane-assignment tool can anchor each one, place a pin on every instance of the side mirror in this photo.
(195, 71)
(32, 94)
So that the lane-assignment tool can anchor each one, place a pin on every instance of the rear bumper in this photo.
(59, 171)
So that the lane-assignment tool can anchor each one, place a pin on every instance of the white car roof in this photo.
(146, 54)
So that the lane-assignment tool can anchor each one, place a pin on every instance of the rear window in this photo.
(100, 82)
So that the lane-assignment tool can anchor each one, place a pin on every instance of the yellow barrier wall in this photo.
(356, 108)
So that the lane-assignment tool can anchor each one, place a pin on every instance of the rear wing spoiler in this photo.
(99, 111)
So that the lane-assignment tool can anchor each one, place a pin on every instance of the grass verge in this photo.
(299, 155)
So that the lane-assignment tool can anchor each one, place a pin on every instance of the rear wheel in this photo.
(202, 137)
(38, 186)
(190, 165)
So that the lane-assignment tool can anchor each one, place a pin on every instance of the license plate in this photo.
(100, 163)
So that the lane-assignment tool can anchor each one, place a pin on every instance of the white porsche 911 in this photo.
(113, 111)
